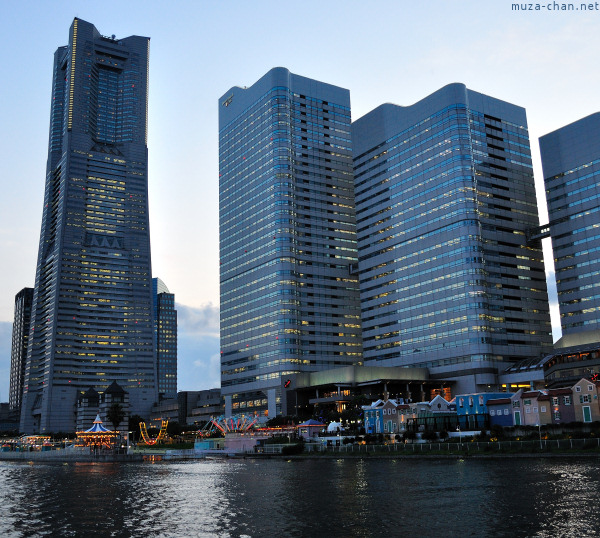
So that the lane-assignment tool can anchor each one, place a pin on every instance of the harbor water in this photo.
(512, 497)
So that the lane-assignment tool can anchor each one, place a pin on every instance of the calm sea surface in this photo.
(329, 498)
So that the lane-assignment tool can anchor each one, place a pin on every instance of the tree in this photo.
(429, 435)
(174, 428)
(134, 424)
(354, 411)
(115, 414)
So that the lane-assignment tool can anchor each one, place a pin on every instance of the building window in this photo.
(516, 403)
(461, 402)
(577, 388)
(555, 401)
(556, 415)
(543, 408)
(590, 387)
(492, 413)
(470, 401)
(527, 410)
(480, 400)
(567, 400)
(535, 409)
(506, 411)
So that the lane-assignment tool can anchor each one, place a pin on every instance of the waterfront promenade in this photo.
(474, 449)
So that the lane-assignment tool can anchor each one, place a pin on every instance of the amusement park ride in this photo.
(161, 434)
(223, 425)
(235, 424)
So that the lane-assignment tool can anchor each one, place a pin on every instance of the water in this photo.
(329, 498)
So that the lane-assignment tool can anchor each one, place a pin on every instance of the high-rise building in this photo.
(445, 198)
(289, 298)
(92, 307)
(165, 330)
(571, 163)
(20, 337)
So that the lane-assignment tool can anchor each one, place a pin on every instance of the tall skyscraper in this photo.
(571, 163)
(92, 307)
(18, 355)
(445, 199)
(165, 329)
(289, 299)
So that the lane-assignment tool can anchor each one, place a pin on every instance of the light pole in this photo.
(540, 433)
(459, 434)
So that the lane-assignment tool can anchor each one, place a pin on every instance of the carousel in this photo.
(97, 436)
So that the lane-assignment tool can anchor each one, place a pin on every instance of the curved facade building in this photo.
(571, 163)
(445, 198)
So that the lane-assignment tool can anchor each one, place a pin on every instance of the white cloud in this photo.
(198, 355)
(199, 321)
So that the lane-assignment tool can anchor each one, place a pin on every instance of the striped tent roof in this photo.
(97, 427)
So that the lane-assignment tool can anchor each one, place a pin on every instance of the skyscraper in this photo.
(289, 299)
(18, 355)
(445, 199)
(571, 163)
(165, 327)
(92, 307)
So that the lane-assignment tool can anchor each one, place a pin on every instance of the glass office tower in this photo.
(165, 330)
(445, 199)
(20, 338)
(571, 163)
(92, 307)
(289, 299)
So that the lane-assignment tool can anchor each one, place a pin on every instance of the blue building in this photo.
(289, 298)
(500, 411)
(445, 198)
(472, 410)
(165, 330)
(91, 319)
(18, 355)
(571, 164)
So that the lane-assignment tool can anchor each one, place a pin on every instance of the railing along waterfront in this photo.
(485, 447)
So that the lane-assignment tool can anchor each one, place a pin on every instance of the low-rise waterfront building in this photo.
(335, 389)
(585, 401)
(500, 411)
(561, 405)
(471, 409)
(531, 408)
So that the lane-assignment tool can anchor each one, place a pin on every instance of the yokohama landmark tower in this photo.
(91, 321)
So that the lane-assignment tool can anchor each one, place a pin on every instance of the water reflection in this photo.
(234, 498)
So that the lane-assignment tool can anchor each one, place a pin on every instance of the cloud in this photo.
(200, 321)
(5, 349)
(198, 352)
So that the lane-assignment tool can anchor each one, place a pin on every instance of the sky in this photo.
(396, 51)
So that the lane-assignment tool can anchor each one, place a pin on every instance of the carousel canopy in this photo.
(97, 427)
